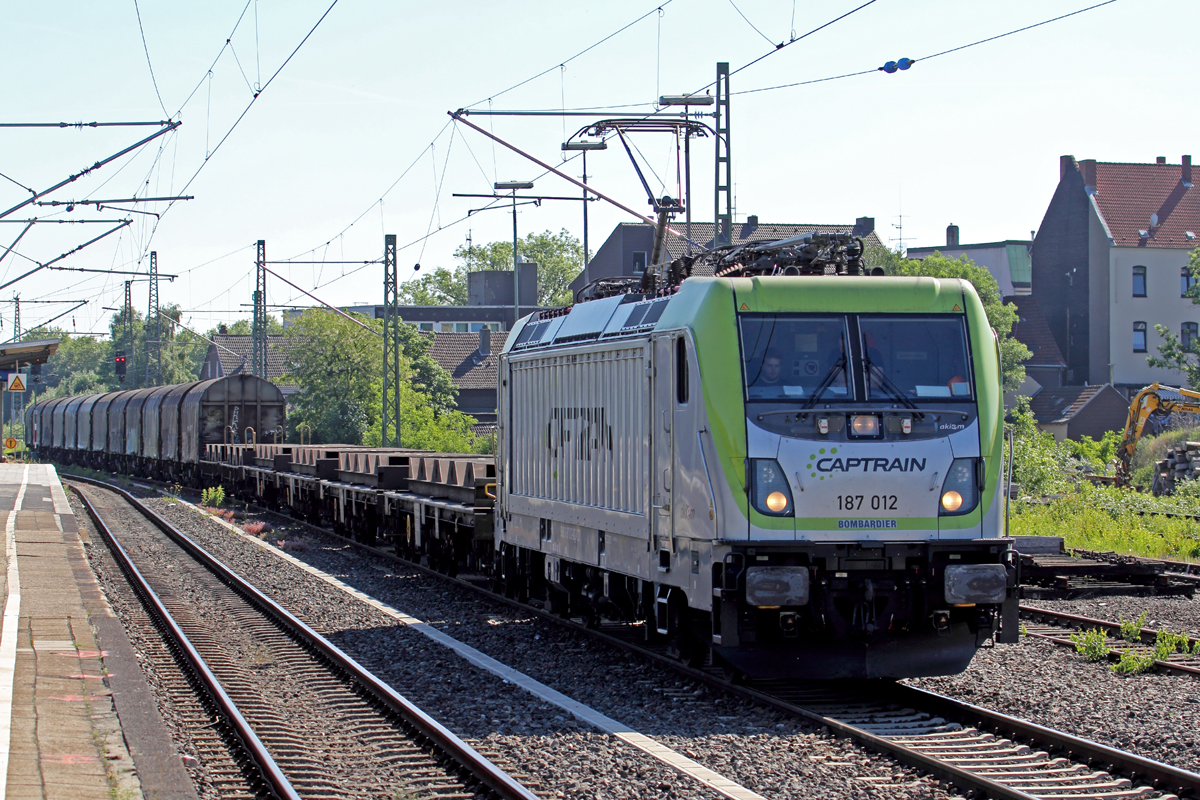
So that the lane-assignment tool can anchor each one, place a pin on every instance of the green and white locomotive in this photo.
(788, 466)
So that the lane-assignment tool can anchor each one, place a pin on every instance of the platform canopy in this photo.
(14, 355)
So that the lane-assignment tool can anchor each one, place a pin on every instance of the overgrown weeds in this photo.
(1134, 663)
(1092, 644)
(213, 497)
(257, 528)
(1131, 629)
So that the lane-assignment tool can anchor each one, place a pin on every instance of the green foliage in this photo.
(1172, 354)
(1110, 519)
(340, 384)
(214, 497)
(1131, 629)
(1167, 644)
(1134, 663)
(1092, 644)
(559, 257)
(1152, 449)
(1001, 316)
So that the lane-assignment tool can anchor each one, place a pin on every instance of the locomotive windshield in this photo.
(915, 357)
(795, 356)
(894, 358)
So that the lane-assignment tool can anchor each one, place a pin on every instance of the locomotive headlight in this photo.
(960, 492)
(864, 426)
(770, 493)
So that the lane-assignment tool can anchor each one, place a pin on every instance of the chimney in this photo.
(222, 329)
(1087, 169)
(485, 342)
(864, 226)
(1065, 164)
(951, 235)
(1187, 170)
(1160, 160)
(752, 220)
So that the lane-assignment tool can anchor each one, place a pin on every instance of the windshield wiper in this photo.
(886, 383)
(826, 382)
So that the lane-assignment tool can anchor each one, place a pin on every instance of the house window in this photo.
(1186, 281)
(1189, 333)
(1139, 337)
(639, 261)
(1139, 281)
(425, 326)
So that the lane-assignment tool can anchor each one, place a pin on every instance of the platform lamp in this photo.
(513, 186)
(583, 146)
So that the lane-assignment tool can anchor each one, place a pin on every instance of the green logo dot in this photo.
(822, 450)
(822, 477)
(813, 475)
(811, 456)
(834, 450)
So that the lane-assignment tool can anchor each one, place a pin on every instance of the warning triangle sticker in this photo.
(15, 383)
(956, 308)
(745, 307)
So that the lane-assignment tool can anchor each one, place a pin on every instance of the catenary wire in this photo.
(146, 50)
(744, 17)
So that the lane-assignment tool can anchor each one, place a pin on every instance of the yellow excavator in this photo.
(1151, 406)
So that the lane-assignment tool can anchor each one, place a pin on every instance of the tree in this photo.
(1001, 316)
(337, 368)
(559, 257)
(1173, 354)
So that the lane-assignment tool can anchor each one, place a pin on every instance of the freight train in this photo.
(772, 461)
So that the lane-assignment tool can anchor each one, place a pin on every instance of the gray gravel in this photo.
(1162, 613)
(766, 751)
(1157, 716)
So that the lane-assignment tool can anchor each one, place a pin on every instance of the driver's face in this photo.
(771, 369)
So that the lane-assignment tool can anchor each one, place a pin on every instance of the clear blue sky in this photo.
(973, 137)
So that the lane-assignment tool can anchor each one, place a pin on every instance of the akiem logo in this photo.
(819, 462)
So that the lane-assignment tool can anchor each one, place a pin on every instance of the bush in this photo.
(1131, 629)
(1092, 644)
(1133, 663)
(213, 497)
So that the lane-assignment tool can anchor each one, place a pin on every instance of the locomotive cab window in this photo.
(795, 356)
(915, 357)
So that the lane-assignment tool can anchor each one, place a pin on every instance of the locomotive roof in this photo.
(630, 315)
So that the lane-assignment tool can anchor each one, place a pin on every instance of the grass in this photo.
(1107, 518)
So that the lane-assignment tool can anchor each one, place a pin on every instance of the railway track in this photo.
(300, 717)
(978, 750)
(1053, 626)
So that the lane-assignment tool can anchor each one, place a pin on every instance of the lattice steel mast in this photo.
(153, 329)
(723, 200)
(258, 358)
(391, 344)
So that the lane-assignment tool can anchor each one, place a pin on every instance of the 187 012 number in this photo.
(875, 502)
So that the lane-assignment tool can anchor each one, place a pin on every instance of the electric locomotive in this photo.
(786, 465)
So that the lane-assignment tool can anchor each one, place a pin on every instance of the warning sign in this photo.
(745, 307)
(16, 382)
(10, 443)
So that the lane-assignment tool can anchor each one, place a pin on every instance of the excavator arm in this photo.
(1153, 401)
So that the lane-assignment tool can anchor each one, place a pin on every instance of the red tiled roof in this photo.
(1128, 194)
(1059, 405)
(458, 354)
(1032, 331)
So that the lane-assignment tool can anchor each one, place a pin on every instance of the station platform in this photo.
(77, 718)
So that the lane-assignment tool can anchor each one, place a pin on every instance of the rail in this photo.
(280, 786)
(466, 756)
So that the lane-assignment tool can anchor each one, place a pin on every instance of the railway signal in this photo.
(120, 365)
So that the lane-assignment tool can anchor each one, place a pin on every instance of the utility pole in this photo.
(258, 360)
(16, 318)
(723, 186)
(129, 326)
(391, 344)
(513, 186)
(153, 324)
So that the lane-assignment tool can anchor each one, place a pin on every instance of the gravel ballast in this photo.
(764, 750)
(1162, 613)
